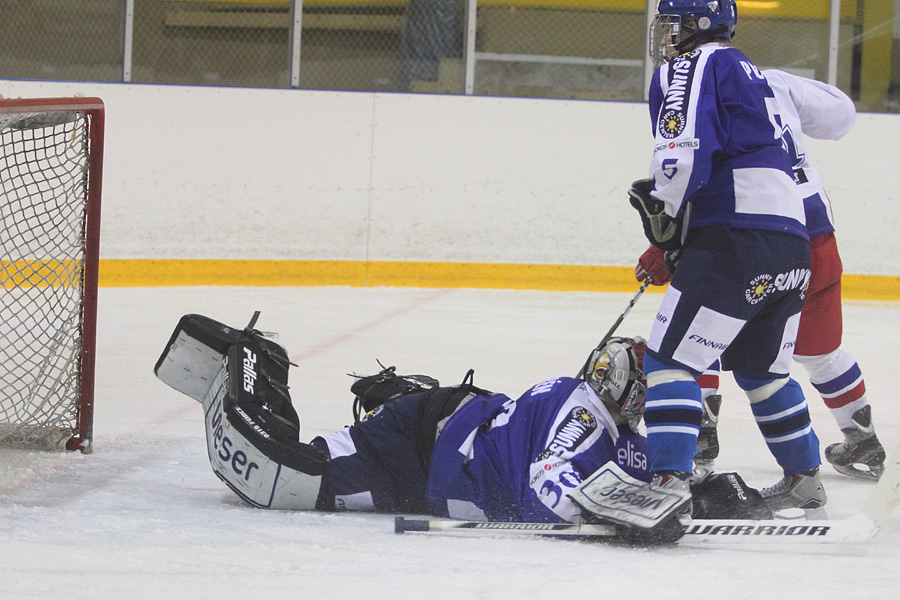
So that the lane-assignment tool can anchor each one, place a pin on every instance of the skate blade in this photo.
(868, 474)
(795, 513)
(816, 514)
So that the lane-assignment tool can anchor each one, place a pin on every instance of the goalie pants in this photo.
(381, 463)
(374, 463)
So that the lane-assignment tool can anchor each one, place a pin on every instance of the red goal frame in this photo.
(95, 110)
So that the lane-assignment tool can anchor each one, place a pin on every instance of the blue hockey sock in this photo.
(672, 415)
(782, 416)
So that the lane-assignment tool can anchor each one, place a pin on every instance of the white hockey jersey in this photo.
(818, 110)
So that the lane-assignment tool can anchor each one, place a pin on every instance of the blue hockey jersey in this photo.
(500, 459)
(718, 151)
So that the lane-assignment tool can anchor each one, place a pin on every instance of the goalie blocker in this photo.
(252, 430)
(653, 515)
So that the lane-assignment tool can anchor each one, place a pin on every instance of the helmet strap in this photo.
(697, 38)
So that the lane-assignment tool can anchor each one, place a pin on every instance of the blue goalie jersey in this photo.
(718, 151)
(500, 459)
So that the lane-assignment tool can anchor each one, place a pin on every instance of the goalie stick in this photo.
(857, 528)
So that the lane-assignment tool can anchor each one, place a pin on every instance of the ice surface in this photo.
(144, 517)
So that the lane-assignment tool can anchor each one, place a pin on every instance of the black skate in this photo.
(860, 455)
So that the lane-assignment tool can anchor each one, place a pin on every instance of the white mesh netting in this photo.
(43, 201)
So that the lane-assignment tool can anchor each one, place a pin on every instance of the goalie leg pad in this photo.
(255, 452)
(194, 354)
(198, 347)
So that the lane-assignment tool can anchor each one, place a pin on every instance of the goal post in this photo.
(51, 166)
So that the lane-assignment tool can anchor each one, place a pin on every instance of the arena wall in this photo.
(206, 185)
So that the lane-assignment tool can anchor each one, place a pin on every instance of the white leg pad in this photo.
(243, 466)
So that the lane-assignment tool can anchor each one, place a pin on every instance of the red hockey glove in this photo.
(652, 263)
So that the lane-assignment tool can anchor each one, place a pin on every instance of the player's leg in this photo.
(374, 463)
(782, 416)
(708, 438)
(760, 358)
(833, 372)
(837, 377)
(701, 313)
(381, 462)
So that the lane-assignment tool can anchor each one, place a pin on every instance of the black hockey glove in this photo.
(663, 231)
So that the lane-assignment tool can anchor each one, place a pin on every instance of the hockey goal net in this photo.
(51, 154)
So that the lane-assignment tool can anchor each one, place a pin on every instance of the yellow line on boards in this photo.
(151, 272)
(173, 272)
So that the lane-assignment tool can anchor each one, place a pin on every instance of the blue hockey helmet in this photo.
(681, 25)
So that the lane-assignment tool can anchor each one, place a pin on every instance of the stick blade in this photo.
(881, 504)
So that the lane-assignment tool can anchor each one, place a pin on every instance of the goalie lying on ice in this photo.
(459, 452)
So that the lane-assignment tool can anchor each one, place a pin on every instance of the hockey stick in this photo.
(404, 525)
(631, 303)
(857, 528)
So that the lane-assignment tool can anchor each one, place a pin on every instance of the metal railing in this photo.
(540, 48)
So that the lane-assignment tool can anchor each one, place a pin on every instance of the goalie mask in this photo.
(682, 25)
(615, 373)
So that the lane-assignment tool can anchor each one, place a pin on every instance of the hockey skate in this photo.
(860, 455)
(707, 440)
(803, 490)
(678, 481)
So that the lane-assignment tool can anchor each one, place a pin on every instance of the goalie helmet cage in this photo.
(51, 159)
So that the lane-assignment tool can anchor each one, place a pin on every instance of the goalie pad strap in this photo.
(271, 438)
(258, 378)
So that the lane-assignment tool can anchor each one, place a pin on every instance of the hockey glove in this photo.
(663, 231)
(652, 264)
(659, 266)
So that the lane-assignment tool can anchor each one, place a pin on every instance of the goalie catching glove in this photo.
(663, 231)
